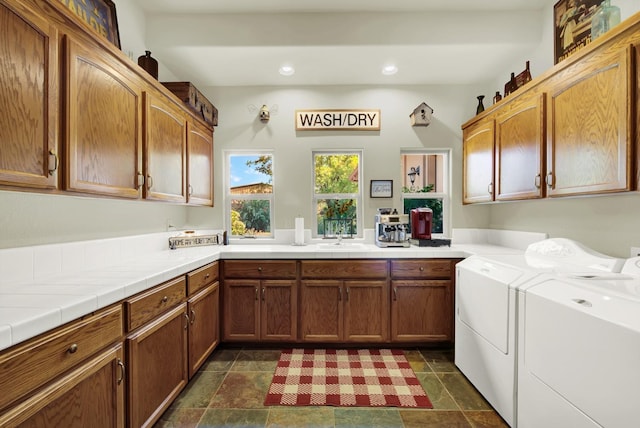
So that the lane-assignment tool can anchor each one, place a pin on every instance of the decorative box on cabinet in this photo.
(29, 96)
(194, 99)
(260, 300)
(338, 299)
(422, 300)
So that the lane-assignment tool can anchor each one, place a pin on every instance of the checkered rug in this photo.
(355, 377)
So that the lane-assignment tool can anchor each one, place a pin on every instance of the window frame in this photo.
(445, 195)
(359, 198)
(228, 196)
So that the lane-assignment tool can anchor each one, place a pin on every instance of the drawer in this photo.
(38, 361)
(146, 306)
(283, 269)
(422, 268)
(200, 278)
(337, 269)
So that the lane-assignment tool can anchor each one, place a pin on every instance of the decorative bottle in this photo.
(497, 97)
(149, 64)
(480, 107)
(605, 18)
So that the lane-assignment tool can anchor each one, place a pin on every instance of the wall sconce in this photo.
(264, 114)
(412, 175)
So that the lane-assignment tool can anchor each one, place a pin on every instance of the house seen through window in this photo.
(249, 198)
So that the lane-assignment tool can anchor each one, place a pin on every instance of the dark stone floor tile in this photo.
(242, 390)
(250, 418)
(437, 393)
(485, 419)
(180, 418)
(256, 361)
(302, 417)
(463, 392)
(199, 391)
(434, 419)
(440, 360)
(220, 360)
(417, 361)
(366, 417)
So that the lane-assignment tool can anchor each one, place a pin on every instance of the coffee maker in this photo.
(392, 229)
(421, 219)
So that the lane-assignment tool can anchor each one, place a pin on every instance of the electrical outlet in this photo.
(635, 251)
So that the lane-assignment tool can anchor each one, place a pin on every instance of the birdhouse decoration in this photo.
(421, 115)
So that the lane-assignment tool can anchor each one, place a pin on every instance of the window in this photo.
(337, 193)
(249, 194)
(425, 183)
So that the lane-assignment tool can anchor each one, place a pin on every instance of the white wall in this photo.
(240, 129)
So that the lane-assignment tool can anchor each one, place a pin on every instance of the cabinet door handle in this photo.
(140, 181)
(73, 348)
(339, 294)
(190, 190)
(193, 317)
(122, 371)
(395, 293)
(53, 159)
(537, 180)
(490, 188)
(263, 293)
(256, 293)
(348, 294)
(186, 326)
(149, 182)
(550, 180)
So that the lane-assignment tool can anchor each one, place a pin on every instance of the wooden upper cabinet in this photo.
(103, 108)
(165, 145)
(519, 150)
(590, 125)
(478, 145)
(200, 165)
(28, 99)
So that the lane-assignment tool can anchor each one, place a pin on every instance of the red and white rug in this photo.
(354, 377)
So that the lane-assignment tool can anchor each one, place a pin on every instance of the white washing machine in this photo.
(579, 350)
(486, 311)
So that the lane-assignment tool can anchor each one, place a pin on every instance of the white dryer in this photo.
(486, 311)
(579, 350)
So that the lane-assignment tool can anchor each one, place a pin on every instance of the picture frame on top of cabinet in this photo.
(99, 15)
(381, 189)
(572, 26)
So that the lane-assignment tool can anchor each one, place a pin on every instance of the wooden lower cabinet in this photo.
(260, 310)
(344, 311)
(92, 395)
(421, 311)
(157, 366)
(204, 331)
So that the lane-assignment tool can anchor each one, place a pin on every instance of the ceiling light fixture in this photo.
(287, 70)
(389, 70)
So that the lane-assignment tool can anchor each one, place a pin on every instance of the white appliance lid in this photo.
(566, 255)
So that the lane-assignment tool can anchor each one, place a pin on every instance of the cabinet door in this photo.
(28, 99)
(519, 150)
(103, 153)
(278, 311)
(241, 309)
(157, 360)
(200, 165)
(165, 145)
(421, 310)
(321, 316)
(90, 396)
(366, 315)
(590, 126)
(204, 331)
(477, 162)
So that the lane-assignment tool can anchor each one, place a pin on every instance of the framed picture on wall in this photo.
(98, 15)
(381, 188)
(572, 26)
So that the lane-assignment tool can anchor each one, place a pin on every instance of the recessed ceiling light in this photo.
(287, 70)
(389, 70)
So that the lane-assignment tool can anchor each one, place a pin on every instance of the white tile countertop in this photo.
(43, 287)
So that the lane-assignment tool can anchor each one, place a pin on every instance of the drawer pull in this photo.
(259, 268)
(207, 276)
(193, 317)
(421, 268)
(122, 371)
(165, 299)
(73, 348)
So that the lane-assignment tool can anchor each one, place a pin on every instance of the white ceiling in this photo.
(341, 42)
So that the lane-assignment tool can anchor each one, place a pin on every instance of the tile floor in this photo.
(229, 391)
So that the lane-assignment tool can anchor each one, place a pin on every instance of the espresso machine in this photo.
(392, 229)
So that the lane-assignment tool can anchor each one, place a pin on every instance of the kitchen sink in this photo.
(341, 246)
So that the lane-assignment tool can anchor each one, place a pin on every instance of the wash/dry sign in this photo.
(352, 120)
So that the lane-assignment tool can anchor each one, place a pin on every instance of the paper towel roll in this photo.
(299, 235)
